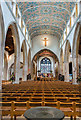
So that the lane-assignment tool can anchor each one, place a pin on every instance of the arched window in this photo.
(45, 65)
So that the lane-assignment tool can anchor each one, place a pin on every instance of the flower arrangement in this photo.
(12, 77)
(79, 78)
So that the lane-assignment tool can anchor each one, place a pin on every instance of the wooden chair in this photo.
(67, 108)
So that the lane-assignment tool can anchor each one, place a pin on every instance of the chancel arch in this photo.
(45, 64)
(24, 50)
(76, 52)
(12, 46)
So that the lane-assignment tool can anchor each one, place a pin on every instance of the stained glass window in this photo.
(45, 65)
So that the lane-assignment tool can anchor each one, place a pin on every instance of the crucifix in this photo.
(45, 40)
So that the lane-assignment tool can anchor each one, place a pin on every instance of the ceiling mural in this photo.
(46, 17)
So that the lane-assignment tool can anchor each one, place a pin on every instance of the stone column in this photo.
(58, 69)
(17, 68)
(30, 64)
(1, 64)
(5, 74)
(32, 70)
(53, 67)
(63, 68)
(60, 66)
(24, 65)
(35, 70)
(66, 64)
(24, 72)
(75, 71)
(5, 70)
(37, 65)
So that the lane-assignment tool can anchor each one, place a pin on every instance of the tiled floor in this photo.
(22, 118)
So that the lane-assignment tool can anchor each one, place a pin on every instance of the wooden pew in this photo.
(6, 108)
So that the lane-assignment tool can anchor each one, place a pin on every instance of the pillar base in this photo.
(0, 87)
(75, 83)
(66, 81)
(16, 82)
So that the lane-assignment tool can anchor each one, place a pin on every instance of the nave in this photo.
(17, 98)
(40, 57)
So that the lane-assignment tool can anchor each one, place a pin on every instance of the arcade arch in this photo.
(12, 46)
(76, 53)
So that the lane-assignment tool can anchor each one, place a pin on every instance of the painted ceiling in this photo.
(46, 17)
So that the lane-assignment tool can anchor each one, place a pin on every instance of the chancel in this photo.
(40, 57)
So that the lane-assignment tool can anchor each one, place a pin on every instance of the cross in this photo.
(45, 40)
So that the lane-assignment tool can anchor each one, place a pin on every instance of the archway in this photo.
(2, 35)
(76, 52)
(24, 50)
(12, 46)
(11, 70)
(41, 55)
(67, 60)
(70, 71)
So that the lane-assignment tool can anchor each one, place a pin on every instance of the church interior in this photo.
(40, 57)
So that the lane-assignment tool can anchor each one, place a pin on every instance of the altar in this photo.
(45, 75)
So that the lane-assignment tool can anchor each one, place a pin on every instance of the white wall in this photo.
(38, 44)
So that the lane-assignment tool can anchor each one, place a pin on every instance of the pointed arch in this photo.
(16, 42)
(75, 51)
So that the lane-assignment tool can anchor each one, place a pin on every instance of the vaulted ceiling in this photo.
(46, 17)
